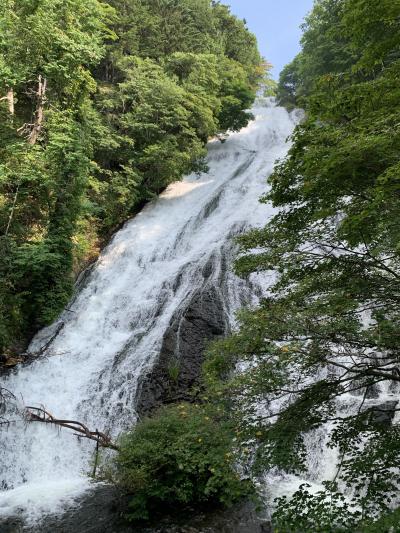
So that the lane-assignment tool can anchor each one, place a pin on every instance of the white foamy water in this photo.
(113, 329)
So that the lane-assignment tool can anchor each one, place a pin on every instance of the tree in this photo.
(44, 151)
(329, 328)
(179, 458)
(101, 107)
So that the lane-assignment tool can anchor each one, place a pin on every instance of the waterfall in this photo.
(112, 332)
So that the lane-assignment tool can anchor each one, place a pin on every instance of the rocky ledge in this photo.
(98, 512)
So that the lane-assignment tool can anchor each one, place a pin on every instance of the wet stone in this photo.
(384, 413)
(191, 328)
(99, 512)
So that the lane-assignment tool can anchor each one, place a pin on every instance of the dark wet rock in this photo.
(11, 524)
(240, 519)
(178, 366)
(202, 318)
(372, 392)
(383, 413)
(96, 512)
(99, 512)
(83, 279)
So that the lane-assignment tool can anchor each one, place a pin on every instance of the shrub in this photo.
(181, 457)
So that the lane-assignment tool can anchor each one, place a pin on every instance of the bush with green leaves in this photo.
(179, 458)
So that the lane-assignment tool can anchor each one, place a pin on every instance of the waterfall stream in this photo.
(111, 333)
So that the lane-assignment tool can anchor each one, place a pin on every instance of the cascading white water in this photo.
(113, 329)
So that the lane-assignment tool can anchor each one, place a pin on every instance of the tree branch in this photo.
(39, 414)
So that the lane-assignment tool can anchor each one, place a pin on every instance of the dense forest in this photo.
(102, 106)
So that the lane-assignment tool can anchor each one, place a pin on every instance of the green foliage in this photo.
(179, 458)
(45, 164)
(328, 511)
(64, 39)
(102, 105)
(174, 370)
(388, 523)
(288, 87)
(326, 50)
(177, 76)
(330, 325)
(236, 96)
(44, 267)
(325, 512)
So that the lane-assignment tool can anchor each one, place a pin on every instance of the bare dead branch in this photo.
(39, 414)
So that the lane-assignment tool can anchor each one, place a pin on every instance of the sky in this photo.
(276, 23)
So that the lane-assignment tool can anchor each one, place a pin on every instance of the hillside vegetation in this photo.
(102, 105)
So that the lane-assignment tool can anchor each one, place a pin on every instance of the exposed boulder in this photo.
(383, 413)
(178, 365)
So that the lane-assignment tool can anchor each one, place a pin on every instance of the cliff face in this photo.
(178, 368)
(202, 318)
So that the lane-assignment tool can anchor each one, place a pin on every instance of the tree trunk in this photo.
(10, 99)
(41, 100)
(12, 211)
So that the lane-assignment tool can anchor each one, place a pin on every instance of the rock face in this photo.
(178, 366)
(384, 413)
(97, 512)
